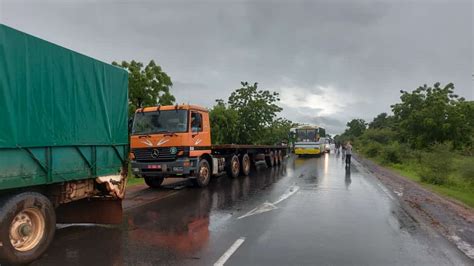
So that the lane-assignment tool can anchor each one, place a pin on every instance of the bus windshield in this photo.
(306, 135)
(160, 122)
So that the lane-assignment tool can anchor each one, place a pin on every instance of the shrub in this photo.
(392, 153)
(381, 135)
(372, 149)
(436, 167)
(467, 171)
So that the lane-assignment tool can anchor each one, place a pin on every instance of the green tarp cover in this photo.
(52, 96)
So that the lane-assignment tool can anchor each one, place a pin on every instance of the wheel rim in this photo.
(203, 174)
(235, 167)
(246, 164)
(27, 229)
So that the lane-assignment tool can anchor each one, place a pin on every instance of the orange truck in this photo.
(175, 141)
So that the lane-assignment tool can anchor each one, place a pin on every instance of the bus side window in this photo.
(196, 122)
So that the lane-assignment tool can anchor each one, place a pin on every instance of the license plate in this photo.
(154, 166)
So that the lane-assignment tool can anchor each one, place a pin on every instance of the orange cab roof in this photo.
(173, 107)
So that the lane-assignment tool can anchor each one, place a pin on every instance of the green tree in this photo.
(435, 114)
(355, 128)
(224, 124)
(249, 117)
(256, 109)
(382, 120)
(278, 132)
(148, 86)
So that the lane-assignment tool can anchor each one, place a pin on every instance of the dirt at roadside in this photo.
(452, 219)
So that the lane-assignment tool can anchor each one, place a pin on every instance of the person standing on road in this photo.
(348, 154)
(343, 151)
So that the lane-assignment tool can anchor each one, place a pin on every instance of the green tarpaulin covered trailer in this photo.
(63, 115)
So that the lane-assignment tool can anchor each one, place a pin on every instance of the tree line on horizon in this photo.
(424, 117)
(429, 135)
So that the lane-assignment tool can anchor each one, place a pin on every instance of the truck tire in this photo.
(153, 182)
(270, 159)
(233, 167)
(279, 157)
(27, 227)
(203, 175)
(245, 165)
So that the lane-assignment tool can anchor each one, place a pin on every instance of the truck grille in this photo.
(150, 154)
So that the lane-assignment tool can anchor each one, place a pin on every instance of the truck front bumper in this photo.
(180, 167)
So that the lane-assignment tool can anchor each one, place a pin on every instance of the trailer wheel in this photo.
(154, 182)
(245, 165)
(233, 168)
(279, 158)
(203, 175)
(27, 226)
(270, 159)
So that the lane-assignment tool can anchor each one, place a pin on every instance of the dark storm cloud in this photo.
(331, 60)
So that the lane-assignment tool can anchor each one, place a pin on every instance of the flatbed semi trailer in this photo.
(63, 140)
(175, 141)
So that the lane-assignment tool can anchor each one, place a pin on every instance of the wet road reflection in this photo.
(334, 211)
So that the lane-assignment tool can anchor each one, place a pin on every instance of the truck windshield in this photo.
(160, 122)
(306, 134)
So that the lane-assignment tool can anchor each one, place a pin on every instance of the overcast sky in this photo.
(331, 60)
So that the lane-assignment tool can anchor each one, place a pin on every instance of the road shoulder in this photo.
(451, 219)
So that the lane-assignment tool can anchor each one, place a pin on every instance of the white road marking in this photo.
(267, 206)
(465, 247)
(229, 252)
(290, 192)
(386, 191)
(400, 194)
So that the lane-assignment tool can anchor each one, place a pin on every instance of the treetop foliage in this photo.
(430, 115)
(423, 117)
(249, 117)
(148, 85)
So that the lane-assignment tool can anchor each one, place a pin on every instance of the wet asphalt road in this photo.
(309, 211)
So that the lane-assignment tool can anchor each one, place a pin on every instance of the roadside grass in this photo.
(454, 189)
(457, 185)
(132, 180)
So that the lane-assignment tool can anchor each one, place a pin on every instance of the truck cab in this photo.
(168, 141)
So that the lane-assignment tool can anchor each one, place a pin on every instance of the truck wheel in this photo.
(245, 165)
(27, 226)
(154, 182)
(279, 158)
(270, 159)
(233, 168)
(203, 175)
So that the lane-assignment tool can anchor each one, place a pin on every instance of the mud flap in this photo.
(92, 210)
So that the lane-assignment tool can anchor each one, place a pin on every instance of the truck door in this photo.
(197, 136)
